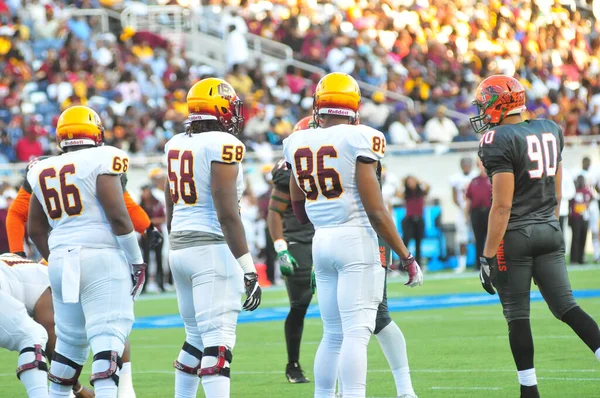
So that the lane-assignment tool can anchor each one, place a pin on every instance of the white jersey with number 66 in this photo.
(324, 164)
(189, 160)
(65, 185)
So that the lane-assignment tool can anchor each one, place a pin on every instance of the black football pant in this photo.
(537, 252)
(159, 261)
(300, 295)
(383, 315)
(412, 228)
(270, 256)
(479, 222)
(580, 228)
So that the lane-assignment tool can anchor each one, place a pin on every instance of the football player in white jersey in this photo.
(27, 322)
(334, 171)
(79, 222)
(209, 256)
(460, 182)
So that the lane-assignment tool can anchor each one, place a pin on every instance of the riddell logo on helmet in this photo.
(337, 112)
(76, 142)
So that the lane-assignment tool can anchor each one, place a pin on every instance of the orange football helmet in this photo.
(304, 124)
(79, 125)
(496, 97)
(215, 99)
(336, 94)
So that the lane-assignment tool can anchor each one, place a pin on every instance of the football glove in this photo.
(313, 281)
(154, 236)
(485, 273)
(253, 291)
(287, 263)
(415, 275)
(138, 277)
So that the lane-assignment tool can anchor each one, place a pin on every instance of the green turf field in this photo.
(453, 352)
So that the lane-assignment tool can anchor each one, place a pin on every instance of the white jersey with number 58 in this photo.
(324, 165)
(65, 186)
(189, 160)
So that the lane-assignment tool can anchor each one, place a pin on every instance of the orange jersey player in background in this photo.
(18, 214)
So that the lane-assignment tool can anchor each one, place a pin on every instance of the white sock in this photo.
(59, 369)
(186, 385)
(126, 382)
(596, 243)
(462, 261)
(326, 364)
(598, 354)
(393, 345)
(34, 380)
(527, 377)
(215, 386)
(104, 388)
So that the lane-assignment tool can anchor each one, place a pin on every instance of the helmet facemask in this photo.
(483, 122)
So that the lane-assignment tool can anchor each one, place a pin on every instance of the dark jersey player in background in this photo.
(293, 244)
(524, 240)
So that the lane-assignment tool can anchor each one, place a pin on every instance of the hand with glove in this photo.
(488, 264)
(287, 262)
(138, 277)
(253, 291)
(415, 275)
(154, 236)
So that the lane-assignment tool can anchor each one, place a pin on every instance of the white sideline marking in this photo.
(391, 280)
(571, 378)
(242, 372)
(466, 388)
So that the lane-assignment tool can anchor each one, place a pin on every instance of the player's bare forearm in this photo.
(497, 223)
(110, 196)
(38, 227)
(503, 188)
(379, 217)
(455, 196)
(278, 204)
(43, 313)
(275, 225)
(558, 188)
(168, 205)
(223, 186)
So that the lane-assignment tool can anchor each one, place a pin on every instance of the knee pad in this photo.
(193, 351)
(222, 354)
(37, 363)
(65, 361)
(116, 363)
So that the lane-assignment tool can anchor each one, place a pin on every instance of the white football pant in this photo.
(350, 282)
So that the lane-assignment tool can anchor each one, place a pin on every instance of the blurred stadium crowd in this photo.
(432, 51)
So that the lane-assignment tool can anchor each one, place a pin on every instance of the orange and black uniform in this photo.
(18, 213)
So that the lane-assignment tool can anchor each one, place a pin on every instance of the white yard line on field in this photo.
(465, 388)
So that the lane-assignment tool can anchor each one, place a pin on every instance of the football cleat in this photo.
(294, 373)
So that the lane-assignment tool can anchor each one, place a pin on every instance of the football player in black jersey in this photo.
(293, 244)
(524, 240)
